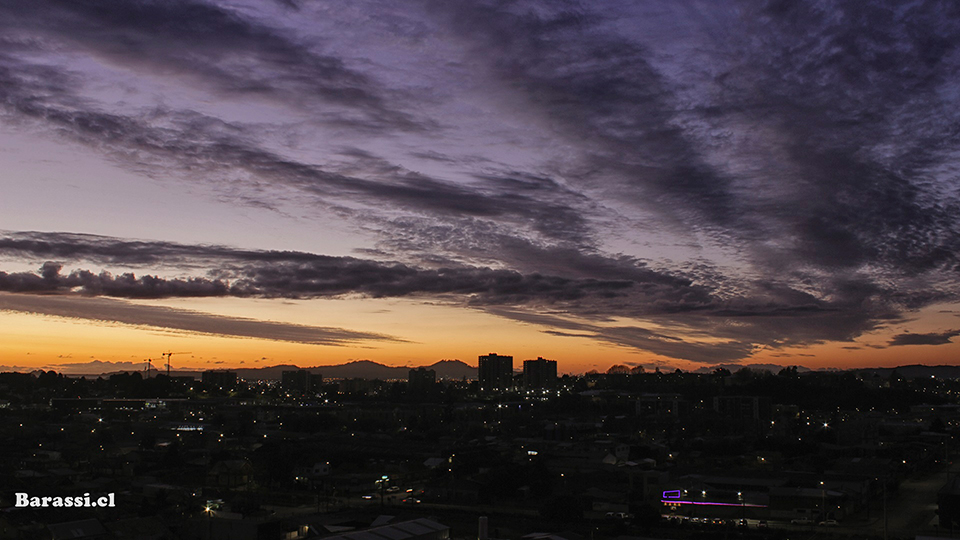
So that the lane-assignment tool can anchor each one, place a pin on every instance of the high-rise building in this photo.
(539, 374)
(222, 379)
(421, 381)
(744, 407)
(496, 373)
(300, 381)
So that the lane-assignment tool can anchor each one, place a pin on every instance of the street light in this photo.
(823, 502)
(382, 482)
(209, 511)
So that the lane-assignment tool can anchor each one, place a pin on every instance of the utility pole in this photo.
(383, 487)
(884, 509)
(823, 502)
(209, 510)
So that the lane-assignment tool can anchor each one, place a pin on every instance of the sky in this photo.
(669, 183)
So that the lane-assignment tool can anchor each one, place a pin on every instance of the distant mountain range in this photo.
(915, 371)
(456, 369)
(361, 369)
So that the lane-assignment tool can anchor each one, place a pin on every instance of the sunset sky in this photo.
(659, 182)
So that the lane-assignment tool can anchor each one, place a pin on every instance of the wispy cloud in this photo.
(209, 45)
(118, 311)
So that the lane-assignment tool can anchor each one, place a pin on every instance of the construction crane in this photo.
(147, 366)
(168, 355)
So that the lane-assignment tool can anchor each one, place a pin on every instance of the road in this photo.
(913, 508)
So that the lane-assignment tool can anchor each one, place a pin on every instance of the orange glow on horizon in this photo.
(429, 333)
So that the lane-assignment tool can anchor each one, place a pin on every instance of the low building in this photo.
(751, 408)
(222, 379)
(948, 504)
(416, 529)
(660, 406)
(86, 529)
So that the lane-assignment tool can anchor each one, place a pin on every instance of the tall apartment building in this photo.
(539, 374)
(421, 381)
(225, 380)
(300, 381)
(496, 373)
(744, 407)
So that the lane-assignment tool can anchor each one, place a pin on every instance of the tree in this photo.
(789, 372)
(744, 375)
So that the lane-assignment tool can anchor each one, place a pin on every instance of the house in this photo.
(85, 529)
(232, 473)
(417, 529)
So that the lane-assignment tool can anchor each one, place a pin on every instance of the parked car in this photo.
(802, 521)
(830, 523)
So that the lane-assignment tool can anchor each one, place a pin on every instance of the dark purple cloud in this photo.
(798, 156)
(846, 90)
(212, 45)
(595, 289)
(186, 143)
(932, 338)
(275, 274)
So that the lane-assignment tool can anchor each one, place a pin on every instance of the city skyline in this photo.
(658, 184)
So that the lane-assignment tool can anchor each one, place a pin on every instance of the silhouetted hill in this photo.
(454, 369)
(915, 371)
(364, 369)
(360, 369)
